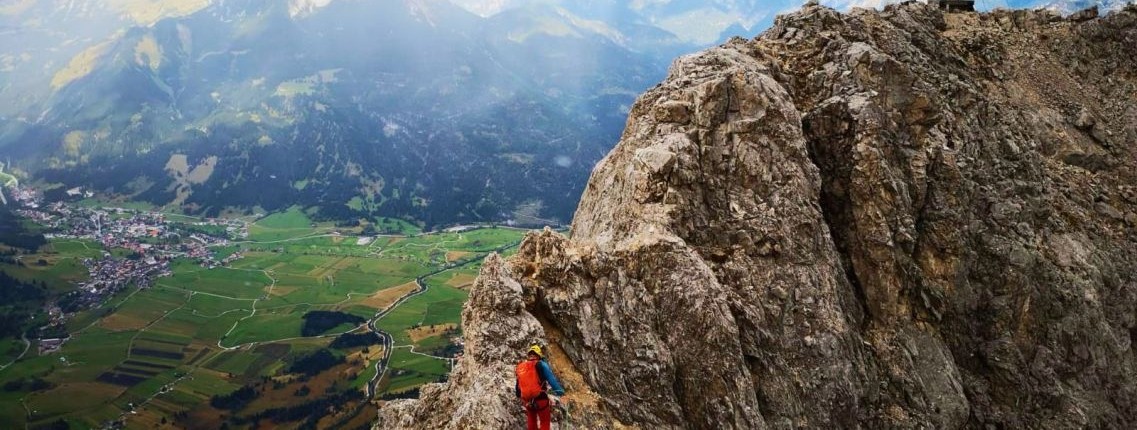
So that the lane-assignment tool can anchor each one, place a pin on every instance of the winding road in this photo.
(27, 346)
(388, 342)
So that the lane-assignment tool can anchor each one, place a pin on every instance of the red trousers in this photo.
(541, 413)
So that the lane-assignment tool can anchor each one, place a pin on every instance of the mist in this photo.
(425, 109)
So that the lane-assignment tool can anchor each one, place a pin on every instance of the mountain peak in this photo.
(886, 219)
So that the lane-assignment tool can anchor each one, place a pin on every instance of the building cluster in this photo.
(108, 275)
(237, 228)
(25, 197)
(150, 239)
(80, 192)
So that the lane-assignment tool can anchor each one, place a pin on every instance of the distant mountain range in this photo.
(418, 109)
(1067, 7)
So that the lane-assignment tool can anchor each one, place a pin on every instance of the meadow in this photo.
(58, 264)
(289, 224)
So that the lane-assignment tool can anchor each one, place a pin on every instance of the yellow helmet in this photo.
(536, 349)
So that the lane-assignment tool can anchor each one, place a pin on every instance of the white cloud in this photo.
(562, 160)
(305, 7)
(487, 7)
(638, 5)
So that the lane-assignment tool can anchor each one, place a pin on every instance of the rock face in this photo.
(895, 219)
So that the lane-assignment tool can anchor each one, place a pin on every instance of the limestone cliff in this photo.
(893, 219)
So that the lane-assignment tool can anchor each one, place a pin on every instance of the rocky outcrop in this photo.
(895, 219)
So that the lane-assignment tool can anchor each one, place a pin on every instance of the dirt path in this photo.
(252, 313)
(27, 346)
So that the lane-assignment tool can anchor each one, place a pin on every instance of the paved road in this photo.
(387, 340)
(381, 366)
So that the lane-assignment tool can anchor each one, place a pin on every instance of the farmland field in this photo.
(438, 305)
(57, 264)
(290, 224)
(168, 352)
(409, 370)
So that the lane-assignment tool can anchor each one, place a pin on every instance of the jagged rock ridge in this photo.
(894, 219)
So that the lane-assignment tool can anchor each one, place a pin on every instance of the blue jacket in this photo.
(547, 377)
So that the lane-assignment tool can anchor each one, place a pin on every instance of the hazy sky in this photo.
(484, 7)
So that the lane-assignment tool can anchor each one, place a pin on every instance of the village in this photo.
(144, 243)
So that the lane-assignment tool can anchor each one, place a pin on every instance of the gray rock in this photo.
(1084, 14)
(870, 221)
(1085, 120)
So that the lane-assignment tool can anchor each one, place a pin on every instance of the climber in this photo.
(534, 379)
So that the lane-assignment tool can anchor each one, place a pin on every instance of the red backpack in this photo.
(529, 380)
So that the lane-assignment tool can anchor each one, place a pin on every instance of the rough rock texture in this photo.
(897, 219)
(496, 326)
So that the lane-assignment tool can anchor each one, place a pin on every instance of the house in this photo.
(47, 346)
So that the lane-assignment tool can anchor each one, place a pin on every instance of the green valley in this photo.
(207, 327)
